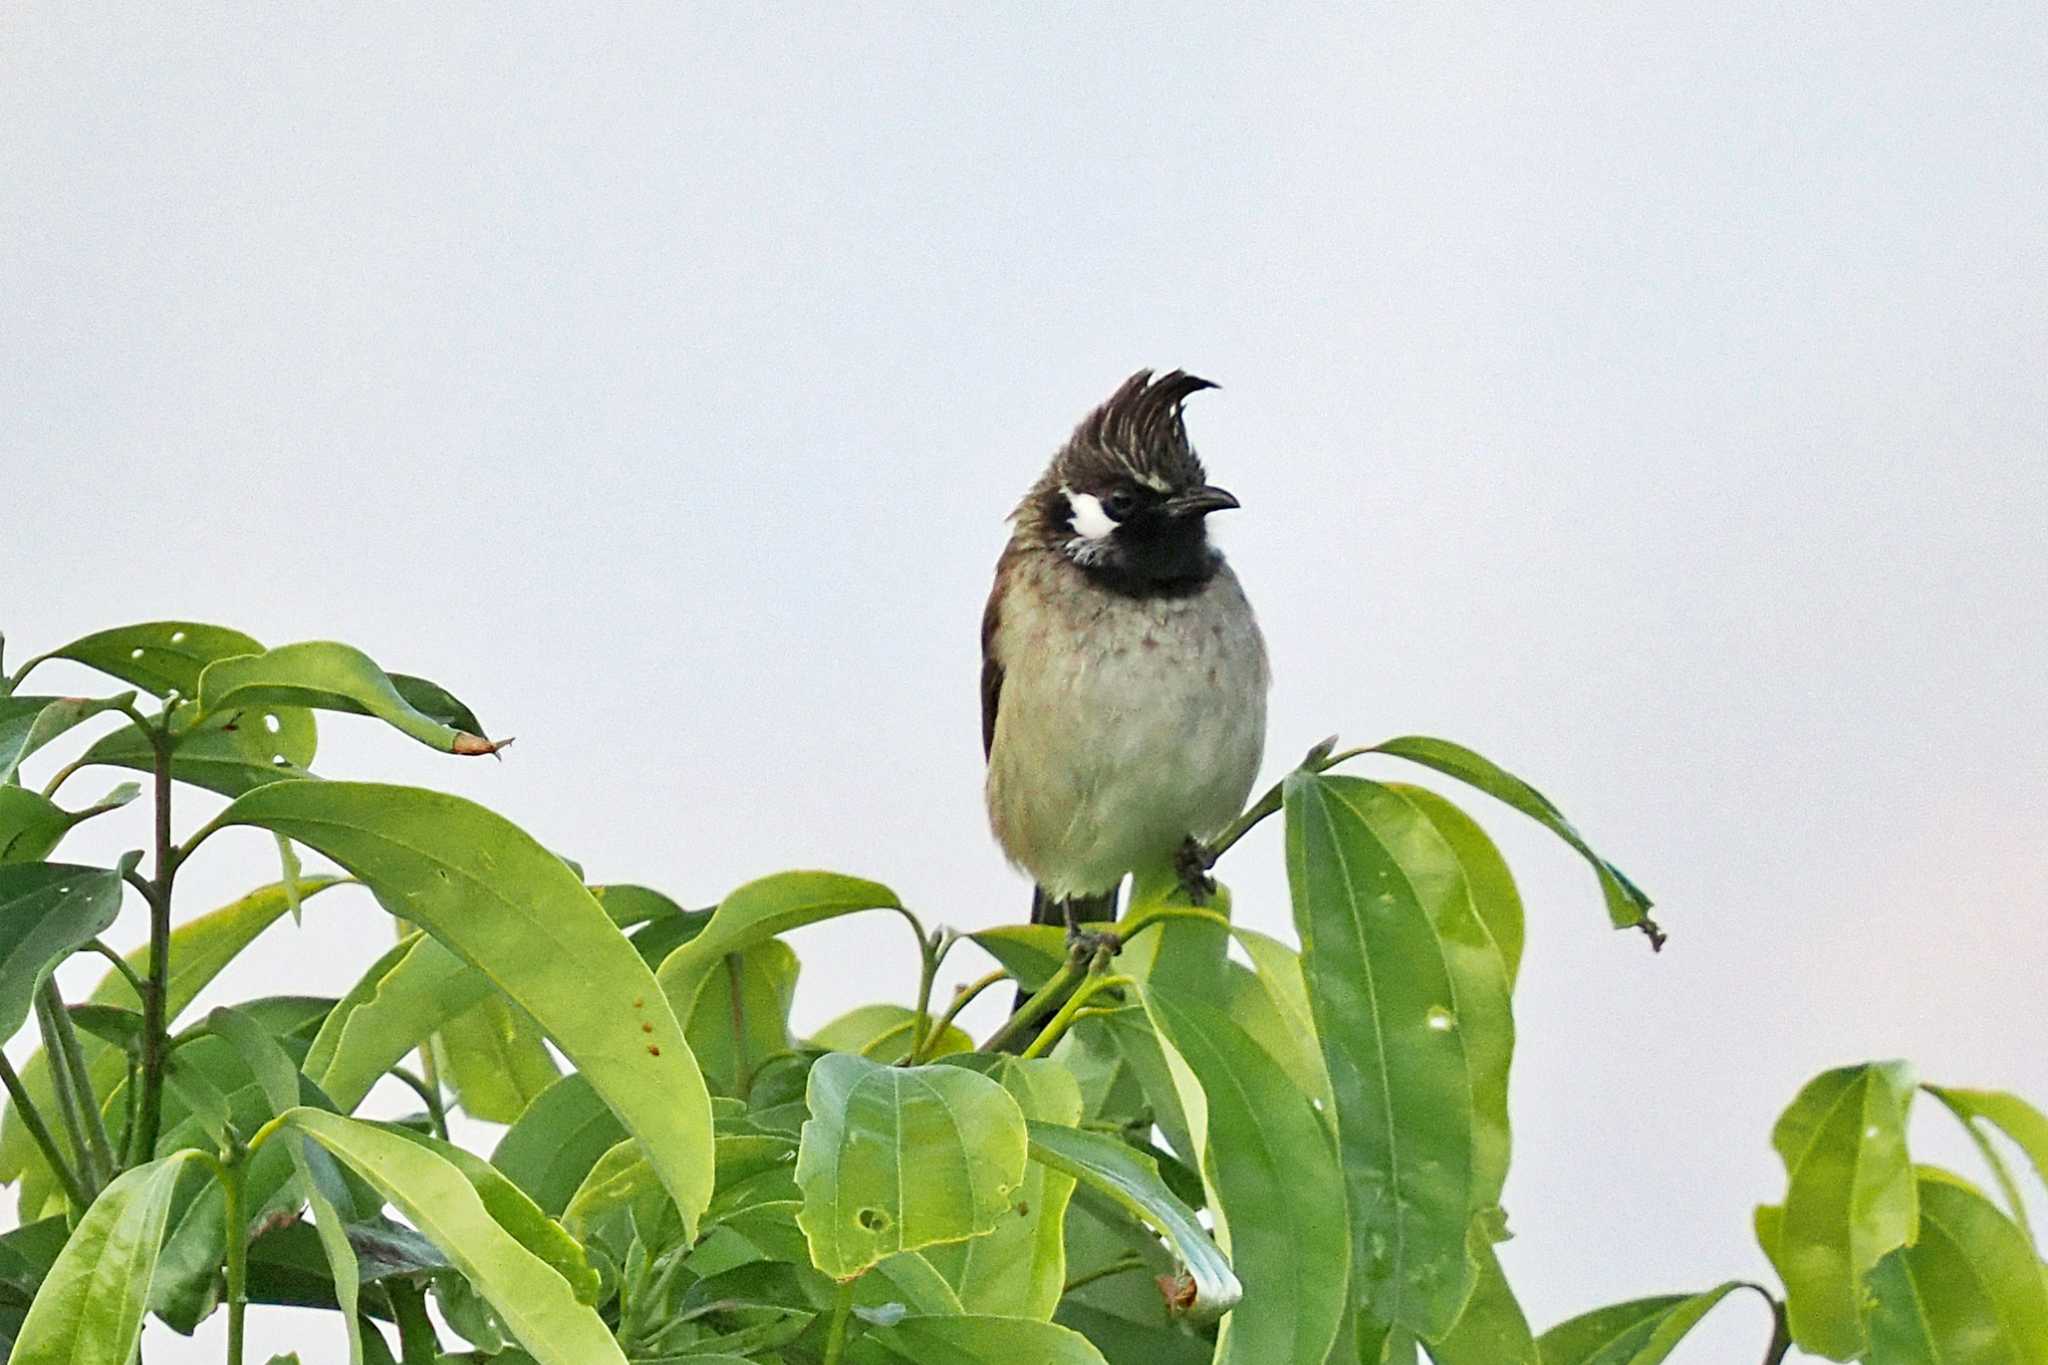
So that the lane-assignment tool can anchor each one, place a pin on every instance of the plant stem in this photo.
(430, 1096)
(1033, 1009)
(1781, 1331)
(101, 947)
(736, 1004)
(32, 1119)
(60, 776)
(1114, 1268)
(236, 1225)
(1095, 983)
(962, 997)
(1320, 759)
(842, 1309)
(928, 949)
(67, 1054)
(155, 1041)
(417, 1342)
(70, 1106)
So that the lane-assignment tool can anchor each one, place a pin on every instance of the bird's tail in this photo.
(1087, 909)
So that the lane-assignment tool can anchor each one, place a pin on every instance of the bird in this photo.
(1123, 675)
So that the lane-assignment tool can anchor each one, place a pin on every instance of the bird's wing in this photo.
(991, 665)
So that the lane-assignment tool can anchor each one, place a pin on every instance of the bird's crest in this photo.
(1140, 432)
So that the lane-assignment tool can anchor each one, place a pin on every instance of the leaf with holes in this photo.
(517, 912)
(1410, 995)
(328, 676)
(229, 754)
(28, 723)
(1850, 1199)
(897, 1158)
(1131, 1180)
(1627, 906)
(1970, 1289)
(91, 1302)
(47, 912)
(160, 657)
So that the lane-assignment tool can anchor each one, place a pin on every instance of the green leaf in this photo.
(1270, 1002)
(1627, 906)
(396, 1005)
(1411, 1004)
(619, 1178)
(47, 912)
(1020, 1268)
(31, 826)
(1849, 1202)
(2022, 1123)
(436, 703)
(554, 1144)
(897, 1158)
(495, 1058)
(1641, 1332)
(1969, 1290)
(1487, 876)
(28, 723)
(90, 1306)
(160, 657)
(767, 977)
(1123, 1341)
(1492, 1329)
(882, 1033)
(1272, 1177)
(327, 676)
(121, 1027)
(229, 754)
(1032, 953)
(515, 911)
(1131, 1180)
(200, 948)
(973, 1340)
(758, 912)
(538, 1306)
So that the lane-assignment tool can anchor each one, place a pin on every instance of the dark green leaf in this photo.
(326, 676)
(1492, 1329)
(1641, 1332)
(28, 723)
(1031, 953)
(31, 826)
(436, 703)
(553, 1145)
(47, 912)
(160, 657)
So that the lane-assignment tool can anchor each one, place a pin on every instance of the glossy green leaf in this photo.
(200, 948)
(1410, 996)
(28, 723)
(550, 1148)
(1627, 906)
(537, 1305)
(1272, 1176)
(1131, 1180)
(620, 1178)
(727, 1043)
(516, 912)
(1640, 1332)
(973, 1340)
(1031, 953)
(883, 1033)
(160, 657)
(229, 754)
(1849, 1201)
(31, 826)
(47, 912)
(415, 987)
(89, 1309)
(326, 676)
(1492, 1330)
(1019, 1269)
(1487, 877)
(495, 1058)
(758, 912)
(897, 1158)
(1970, 1291)
(2021, 1122)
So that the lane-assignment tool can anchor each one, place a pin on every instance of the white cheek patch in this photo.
(1090, 522)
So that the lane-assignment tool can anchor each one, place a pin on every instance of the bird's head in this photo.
(1126, 498)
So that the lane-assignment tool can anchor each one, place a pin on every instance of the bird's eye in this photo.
(1120, 504)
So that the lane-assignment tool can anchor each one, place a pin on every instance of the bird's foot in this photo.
(1192, 863)
(1086, 946)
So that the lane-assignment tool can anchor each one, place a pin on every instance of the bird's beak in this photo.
(1200, 502)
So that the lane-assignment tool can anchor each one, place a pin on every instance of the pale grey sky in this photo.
(1650, 397)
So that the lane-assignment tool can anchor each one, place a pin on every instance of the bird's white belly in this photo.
(1124, 726)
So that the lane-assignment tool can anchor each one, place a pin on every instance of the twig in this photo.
(32, 1119)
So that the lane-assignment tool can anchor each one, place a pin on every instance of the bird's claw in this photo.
(1192, 863)
(1085, 946)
